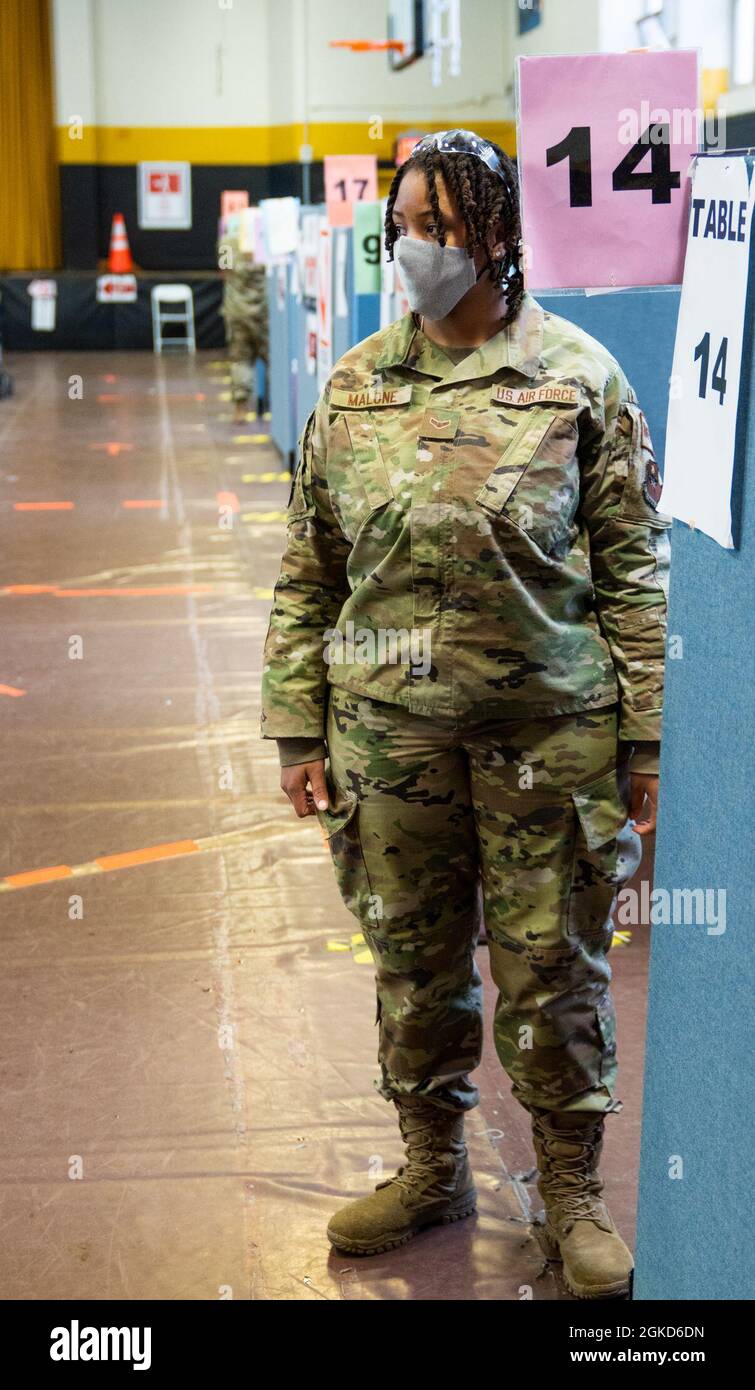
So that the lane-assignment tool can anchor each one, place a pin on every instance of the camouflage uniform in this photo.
(245, 312)
(503, 511)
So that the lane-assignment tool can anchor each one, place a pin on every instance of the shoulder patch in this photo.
(652, 484)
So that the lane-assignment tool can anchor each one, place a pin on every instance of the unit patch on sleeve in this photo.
(652, 484)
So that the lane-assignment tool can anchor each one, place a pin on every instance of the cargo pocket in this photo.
(341, 826)
(606, 1021)
(535, 483)
(606, 853)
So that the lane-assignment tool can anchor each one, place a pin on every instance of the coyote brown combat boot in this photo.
(434, 1185)
(578, 1231)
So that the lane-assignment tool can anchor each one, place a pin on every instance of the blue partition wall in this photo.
(639, 327)
(697, 1138)
(695, 1173)
(281, 379)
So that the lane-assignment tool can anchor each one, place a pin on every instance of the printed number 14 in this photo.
(718, 379)
(660, 179)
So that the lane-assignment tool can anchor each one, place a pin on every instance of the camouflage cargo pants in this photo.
(245, 345)
(420, 808)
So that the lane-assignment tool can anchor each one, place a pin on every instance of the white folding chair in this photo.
(173, 294)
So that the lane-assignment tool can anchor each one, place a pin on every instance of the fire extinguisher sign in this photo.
(164, 196)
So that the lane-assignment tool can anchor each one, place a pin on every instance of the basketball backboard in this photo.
(406, 22)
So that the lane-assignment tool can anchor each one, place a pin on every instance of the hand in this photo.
(643, 784)
(304, 785)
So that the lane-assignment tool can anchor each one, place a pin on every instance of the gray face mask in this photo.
(435, 277)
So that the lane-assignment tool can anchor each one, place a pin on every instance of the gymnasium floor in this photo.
(188, 1040)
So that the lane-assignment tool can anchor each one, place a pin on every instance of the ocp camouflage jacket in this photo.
(244, 286)
(480, 539)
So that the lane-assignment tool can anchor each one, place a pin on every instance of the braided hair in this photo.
(483, 199)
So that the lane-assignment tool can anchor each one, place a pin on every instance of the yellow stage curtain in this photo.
(29, 187)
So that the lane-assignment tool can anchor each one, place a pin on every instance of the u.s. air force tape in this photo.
(533, 395)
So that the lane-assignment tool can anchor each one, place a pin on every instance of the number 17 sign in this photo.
(349, 179)
(605, 141)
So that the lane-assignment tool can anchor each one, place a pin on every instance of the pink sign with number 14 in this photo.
(604, 145)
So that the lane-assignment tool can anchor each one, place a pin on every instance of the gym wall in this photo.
(225, 87)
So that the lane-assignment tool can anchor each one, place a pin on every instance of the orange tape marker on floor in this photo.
(147, 856)
(177, 849)
(147, 591)
(38, 876)
(105, 397)
(113, 448)
(228, 499)
(133, 502)
(28, 589)
(43, 506)
(11, 690)
(154, 591)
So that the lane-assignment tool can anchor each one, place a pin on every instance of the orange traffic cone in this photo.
(119, 261)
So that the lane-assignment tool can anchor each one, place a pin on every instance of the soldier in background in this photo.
(245, 313)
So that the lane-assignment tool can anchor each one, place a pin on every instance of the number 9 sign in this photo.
(604, 145)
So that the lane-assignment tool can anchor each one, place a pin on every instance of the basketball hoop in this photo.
(369, 45)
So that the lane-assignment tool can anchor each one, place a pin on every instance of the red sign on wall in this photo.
(164, 194)
(164, 183)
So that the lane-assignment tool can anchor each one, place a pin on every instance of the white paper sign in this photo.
(250, 230)
(704, 389)
(342, 245)
(280, 287)
(310, 358)
(164, 195)
(281, 222)
(295, 284)
(324, 304)
(116, 289)
(43, 305)
(310, 240)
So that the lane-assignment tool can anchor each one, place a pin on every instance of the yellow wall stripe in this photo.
(260, 145)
